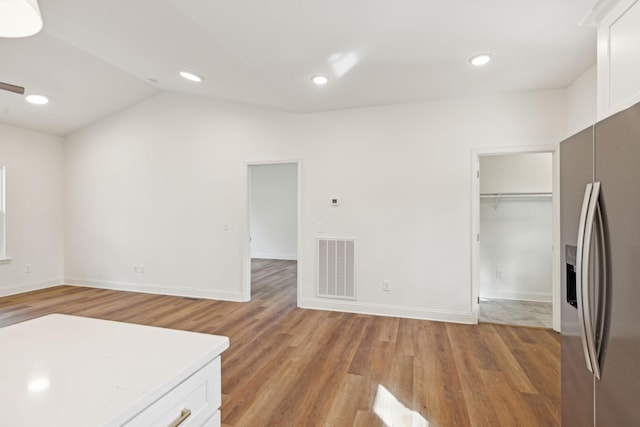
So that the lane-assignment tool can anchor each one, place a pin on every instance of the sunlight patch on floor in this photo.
(393, 413)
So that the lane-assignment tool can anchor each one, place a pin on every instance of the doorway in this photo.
(273, 228)
(515, 274)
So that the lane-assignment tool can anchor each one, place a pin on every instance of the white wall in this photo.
(582, 102)
(35, 228)
(516, 250)
(155, 184)
(516, 233)
(516, 173)
(274, 211)
(403, 174)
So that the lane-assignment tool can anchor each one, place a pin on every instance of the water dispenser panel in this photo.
(570, 259)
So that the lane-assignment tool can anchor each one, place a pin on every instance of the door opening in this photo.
(273, 225)
(515, 229)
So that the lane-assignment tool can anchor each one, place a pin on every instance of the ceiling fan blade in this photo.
(12, 88)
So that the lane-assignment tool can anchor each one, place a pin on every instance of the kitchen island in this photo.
(60, 370)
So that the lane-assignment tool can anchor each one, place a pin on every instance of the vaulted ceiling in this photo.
(96, 57)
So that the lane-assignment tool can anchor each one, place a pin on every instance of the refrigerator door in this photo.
(576, 172)
(618, 170)
(591, 277)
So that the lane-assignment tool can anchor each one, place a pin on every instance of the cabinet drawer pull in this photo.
(186, 413)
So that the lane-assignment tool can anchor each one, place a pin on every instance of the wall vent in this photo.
(336, 268)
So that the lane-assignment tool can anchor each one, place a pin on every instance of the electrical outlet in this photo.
(141, 269)
(135, 269)
(27, 268)
(386, 286)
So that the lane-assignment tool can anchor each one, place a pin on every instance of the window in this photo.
(3, 252)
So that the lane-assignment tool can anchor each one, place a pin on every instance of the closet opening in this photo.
(514, 274)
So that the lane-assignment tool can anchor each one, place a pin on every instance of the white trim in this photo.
(476, 153)
(272, 162)
(332, 237)
(28, 287)
(3, 212)
(389, 310)
(285, 257)
(155, 289)
(597, 13)
(246, 247)
(519, 296)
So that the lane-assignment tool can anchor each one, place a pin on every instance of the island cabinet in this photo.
(61, 370)
(618, 23)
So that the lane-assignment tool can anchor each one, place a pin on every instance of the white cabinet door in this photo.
(195, 402)
(619, 58)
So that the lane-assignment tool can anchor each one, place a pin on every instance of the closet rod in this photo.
(500, 195)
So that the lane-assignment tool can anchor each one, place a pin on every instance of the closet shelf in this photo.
(513, 195)
(496, 198)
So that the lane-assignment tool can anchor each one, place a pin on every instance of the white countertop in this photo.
(61, 370)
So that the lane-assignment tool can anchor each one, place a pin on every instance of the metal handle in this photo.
(579, 274)
(586, 283)
(602, 286)
(186, 413)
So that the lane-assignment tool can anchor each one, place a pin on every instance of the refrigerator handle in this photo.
(602, 285)
(580, 279)
(586, 282)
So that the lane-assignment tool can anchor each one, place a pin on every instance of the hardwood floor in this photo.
(293, 367)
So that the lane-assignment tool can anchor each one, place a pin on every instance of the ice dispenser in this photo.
(570, 259)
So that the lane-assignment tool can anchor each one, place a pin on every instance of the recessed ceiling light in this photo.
(37, 99)
(190, 76)
(319, 80)
(38, 384)
(481, 59)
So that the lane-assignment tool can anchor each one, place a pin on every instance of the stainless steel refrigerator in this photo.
(600, 236)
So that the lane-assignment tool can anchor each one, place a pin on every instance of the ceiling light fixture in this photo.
(190, 76)
(320, 80)
(37, 99)
(481, 59)
(38, 384)
(19, 18)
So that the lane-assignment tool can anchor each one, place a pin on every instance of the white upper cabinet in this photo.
(618, 56)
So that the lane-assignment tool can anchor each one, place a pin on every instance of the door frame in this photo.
(475, 223)
(246, 247)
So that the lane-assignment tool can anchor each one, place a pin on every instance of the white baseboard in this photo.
(155, 289)
(284, 257)
(28, 287)
(389, 310)
(518, 295)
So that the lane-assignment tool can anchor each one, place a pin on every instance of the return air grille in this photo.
(336, 268)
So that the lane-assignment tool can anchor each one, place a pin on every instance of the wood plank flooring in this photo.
(293, 367)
